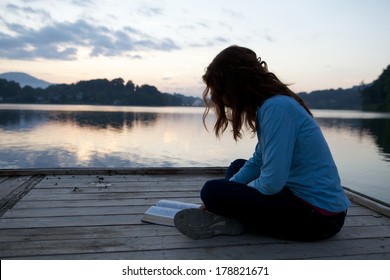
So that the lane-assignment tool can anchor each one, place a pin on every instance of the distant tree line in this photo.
(336, 99)
(97, 92)
(376, 97)
(372, 97)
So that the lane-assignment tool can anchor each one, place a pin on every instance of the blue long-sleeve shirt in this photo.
(292, 151)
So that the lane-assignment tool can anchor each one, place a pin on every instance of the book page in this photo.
(165, 210)
(176, 204)
(162, 211)
(160, 215)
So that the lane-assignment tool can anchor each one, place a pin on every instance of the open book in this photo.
(165, 210)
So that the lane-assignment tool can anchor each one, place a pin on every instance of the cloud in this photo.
(62, 40)
(148, 11)
(233, 13)
(221, 39)
(207, 42)
(269, 38)
(27, 11)
(82, 3)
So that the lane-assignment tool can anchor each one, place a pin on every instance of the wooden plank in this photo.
(127, 219)
(72, 186)
(367, 221)
(2, 179)
(102, 202)
(11, 184)
(269, 251)
(363, 232)
(369, 203)
(75, 211)
(101, 220)
(123, 231)
(30, 204)
(362, 256)
(17, 192)
(113, 171)
(84, 232)
(361, 211)
(131, 178)
(108, 196)
(71, 221)
(119, 244)
(223, 247)
(158, 184)
(194, 254)
(130, 208)
(106, 188)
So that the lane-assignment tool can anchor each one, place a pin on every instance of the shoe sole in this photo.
(201, 224)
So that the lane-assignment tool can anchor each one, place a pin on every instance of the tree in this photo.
(98, 91)
(130, 87)
(377, 96)
(10, 91)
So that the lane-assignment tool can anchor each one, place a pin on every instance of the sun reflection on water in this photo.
(109, 136)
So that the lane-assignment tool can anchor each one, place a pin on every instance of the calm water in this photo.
(39, 136)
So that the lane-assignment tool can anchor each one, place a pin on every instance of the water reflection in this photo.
(361, 151)
(128, 138)
(115, 121)
(380, 130)
(377, 129)
(362, 125)
(96, 136)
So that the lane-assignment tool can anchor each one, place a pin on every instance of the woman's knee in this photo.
(211, 189)
(239, 162)
(234, 167)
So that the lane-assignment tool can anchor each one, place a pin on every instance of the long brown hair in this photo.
(237, 83)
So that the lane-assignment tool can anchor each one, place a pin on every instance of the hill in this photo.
(338, 99)
(24, 79)
(95, 92)
(376, 97)
(22, 88)
(372, 97)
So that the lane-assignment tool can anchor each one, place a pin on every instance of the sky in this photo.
(309, 44)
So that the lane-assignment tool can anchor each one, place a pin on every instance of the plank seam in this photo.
(10, 200)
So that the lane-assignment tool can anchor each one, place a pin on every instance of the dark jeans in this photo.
(282, 215)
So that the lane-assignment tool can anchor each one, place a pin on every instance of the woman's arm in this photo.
(278, 136)
(251, 169)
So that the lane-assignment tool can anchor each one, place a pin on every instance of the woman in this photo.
(290, 187)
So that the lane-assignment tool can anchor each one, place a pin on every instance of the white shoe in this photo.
(200, 224)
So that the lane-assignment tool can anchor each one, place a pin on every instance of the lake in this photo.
(47, 136)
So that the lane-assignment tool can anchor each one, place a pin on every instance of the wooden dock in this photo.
(96, 214)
